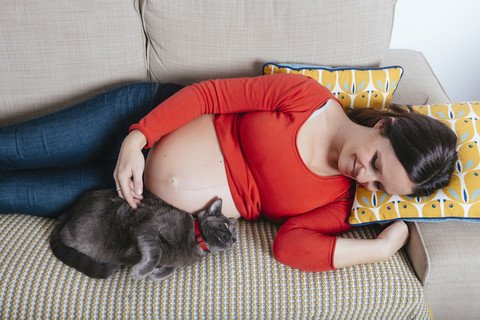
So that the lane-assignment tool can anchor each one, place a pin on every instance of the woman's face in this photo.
(371, 161)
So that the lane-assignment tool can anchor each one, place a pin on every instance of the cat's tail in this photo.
(78, 260)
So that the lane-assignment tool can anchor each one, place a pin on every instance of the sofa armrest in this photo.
(446, 257)
(418, 85)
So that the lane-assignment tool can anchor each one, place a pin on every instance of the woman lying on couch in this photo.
(277, 146)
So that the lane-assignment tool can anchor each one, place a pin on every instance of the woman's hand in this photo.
(356, 251)
(128, 173)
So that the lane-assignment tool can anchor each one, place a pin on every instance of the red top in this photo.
(257, 122)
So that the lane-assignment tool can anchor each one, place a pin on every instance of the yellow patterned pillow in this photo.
(459, 200)
(354, 87)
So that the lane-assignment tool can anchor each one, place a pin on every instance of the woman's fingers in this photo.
(137, 184)
(128, 173)
(134, 192)
(126, 188)
(126, 192)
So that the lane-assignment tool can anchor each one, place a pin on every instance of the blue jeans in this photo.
(48, 162)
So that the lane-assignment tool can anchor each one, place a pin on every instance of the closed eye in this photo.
(374, 162)
(378, 184)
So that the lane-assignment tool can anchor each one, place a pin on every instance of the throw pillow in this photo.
(354, 87)
(459, 200)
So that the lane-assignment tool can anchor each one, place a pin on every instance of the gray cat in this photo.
(101, 233)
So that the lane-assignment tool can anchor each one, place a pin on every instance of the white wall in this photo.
(448, 34)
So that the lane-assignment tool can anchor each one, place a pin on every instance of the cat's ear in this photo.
(231, 224)
(215, 208)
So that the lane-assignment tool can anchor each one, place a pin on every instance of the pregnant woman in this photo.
(278, 146)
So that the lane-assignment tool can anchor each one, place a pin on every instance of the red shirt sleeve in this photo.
(307, 242)
(280, 92)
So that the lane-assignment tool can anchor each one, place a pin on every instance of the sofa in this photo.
(55, 53)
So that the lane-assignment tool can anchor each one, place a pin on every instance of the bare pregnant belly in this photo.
(186, 168)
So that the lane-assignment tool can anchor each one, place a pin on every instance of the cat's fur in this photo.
(101, 233)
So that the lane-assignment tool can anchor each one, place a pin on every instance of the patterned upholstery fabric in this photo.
(244, 283)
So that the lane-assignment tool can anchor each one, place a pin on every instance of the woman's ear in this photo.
(380, 125)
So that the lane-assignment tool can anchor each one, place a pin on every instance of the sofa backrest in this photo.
(54, 53)
(193, 40)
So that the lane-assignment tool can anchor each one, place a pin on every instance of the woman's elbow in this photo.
(313, 256)
(279, 252)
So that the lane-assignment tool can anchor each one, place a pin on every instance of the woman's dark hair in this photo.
(425, 146)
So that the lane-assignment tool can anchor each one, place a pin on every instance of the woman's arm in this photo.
(357, 251)
(309, 242)
(280, 92)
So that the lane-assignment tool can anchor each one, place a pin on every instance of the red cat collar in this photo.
(198, 237)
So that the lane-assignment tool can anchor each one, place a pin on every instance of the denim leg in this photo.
(51, 191)
(90, 130)
(48, 162)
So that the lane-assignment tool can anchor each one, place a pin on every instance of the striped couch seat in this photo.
(243, 283)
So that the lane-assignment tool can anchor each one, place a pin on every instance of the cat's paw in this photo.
(161, 273)
(139, 272)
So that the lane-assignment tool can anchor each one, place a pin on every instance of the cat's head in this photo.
(217, 231)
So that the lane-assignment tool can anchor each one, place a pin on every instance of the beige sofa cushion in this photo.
(244, 283)
(54, 53)
(193, 40)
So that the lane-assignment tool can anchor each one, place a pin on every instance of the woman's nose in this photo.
(370, 186)
(367, 179)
